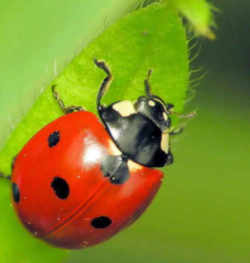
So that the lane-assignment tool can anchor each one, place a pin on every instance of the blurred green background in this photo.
(202, 212)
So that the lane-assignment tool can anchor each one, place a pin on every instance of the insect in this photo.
(80, 180)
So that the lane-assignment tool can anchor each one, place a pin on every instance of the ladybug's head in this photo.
(155, 109)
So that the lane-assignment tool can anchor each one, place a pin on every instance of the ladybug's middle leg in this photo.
(115, 167)
(8, 177)
(65, 109)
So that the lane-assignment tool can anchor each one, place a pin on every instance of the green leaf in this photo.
(151, 38)
(199, 13)
(38, 38)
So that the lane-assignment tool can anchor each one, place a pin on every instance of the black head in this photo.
(155, 109)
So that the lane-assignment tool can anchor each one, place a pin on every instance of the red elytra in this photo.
(60, 193)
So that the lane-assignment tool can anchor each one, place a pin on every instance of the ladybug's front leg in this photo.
(179, 130)
(176, 131)
(106, 82)
(65, 109)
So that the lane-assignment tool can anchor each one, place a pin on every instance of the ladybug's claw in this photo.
(65, 109)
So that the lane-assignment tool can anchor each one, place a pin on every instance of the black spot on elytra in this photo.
(15, 192)
(60, 187)
(101, 222)
(54, 138)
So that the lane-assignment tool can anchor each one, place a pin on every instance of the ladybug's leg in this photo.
(176, 131)
(115, 167)
(65, 109)
(106, 82)
(189, 115)
(8, 177)
(147, 84)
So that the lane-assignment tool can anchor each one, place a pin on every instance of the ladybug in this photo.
(80, 180)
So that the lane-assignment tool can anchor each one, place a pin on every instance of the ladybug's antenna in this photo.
(106, 82)
(147, 84)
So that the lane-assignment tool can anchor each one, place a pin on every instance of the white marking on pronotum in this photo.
(125, 108)
(165, 142)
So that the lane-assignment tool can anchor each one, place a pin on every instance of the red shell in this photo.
(76, 158)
